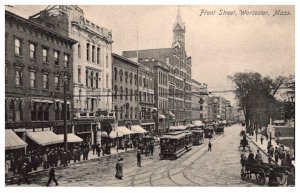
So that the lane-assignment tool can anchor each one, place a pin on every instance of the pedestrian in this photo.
(119, 169)
(258, 157)
(209, 146)
(98, 149)
(261, 140)
(251, 157)
(103, 149)
(94, 148)
(271, 151)
(52, 177)
(151, 148)
(276, 154)
(267, 137)
(23, 174)
(45, 160)
(138, 156)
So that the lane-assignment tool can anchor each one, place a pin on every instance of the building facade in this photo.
(179, 76)
(218, 108)
(92, 67)
(38, 63)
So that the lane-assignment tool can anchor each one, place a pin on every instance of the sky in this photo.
(219, 45)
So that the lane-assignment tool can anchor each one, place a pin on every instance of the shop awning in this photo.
(124, 130)
(138, 129)
(198, 123)
(71, 138)
(181, 127)
(171, 114)
(113, 134)
(161, 116)
(103, 134)
(44, 137)
(12, 141)
(190, 125)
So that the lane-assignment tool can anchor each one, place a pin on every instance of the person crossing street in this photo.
(209, 146)
(52, 177)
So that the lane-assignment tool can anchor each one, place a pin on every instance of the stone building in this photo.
(92, 72)
(179, 76)
(38, 63)
(198, 94)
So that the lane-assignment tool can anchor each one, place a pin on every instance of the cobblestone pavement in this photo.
(198, 167)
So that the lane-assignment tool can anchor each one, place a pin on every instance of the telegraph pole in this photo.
(65, 112)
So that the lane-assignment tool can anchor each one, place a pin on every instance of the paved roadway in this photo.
(198, 167)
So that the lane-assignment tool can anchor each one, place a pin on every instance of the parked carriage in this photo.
(198, 136)
(262, 171)
(173, 145)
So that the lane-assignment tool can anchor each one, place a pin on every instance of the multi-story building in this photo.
(161, 90)
(38, 63)
(179, 76)
(92, 66)
(218, 108)
(199, 92)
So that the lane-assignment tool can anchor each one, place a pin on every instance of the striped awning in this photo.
(12, 141)
(113, 134)
(138, 129)
(44, 137)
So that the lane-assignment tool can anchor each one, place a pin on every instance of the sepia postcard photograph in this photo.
(148, 95)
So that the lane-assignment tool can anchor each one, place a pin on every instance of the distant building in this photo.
(199, 92)
(38, 62)
(179, 76)
(218, 108)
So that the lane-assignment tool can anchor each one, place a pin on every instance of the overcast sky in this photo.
(219, 45)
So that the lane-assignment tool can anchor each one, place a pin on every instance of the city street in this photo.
(198, 167)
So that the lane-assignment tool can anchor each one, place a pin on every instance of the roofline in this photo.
(147, 49)
(39, 26)
(126, 59)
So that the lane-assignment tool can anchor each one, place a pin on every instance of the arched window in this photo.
(126, 77)
(121, 93)
(126, 94)
(97, 80)
(116, 112)
(130, 78)
(116, 73)
(116, 92)
(92, 79)
(121, 75)
(121, 112)
(135, 95)
(131, 93)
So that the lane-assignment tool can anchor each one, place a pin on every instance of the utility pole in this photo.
(65, 112)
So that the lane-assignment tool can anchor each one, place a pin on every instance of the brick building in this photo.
(38, 61)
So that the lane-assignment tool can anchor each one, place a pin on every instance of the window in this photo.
(32, 79)
(19, 77)
(116, 112)
(56, 58)
(121, 112)
(126, 77)
(131, 93)
(97, 79)
(88, 52)
(116, 73)
(79, 75)
(56, 83)
(116, 92)
(93, 53)
(126, 94)
(98, 55)
(18, 47)
(167, 60)
(66, 61)
(45, 81)
(106, 60)
(45, 55)
(87, 78)
(32, 49)
(135, 79)
(79, 51)
(91, 80)
(135, 95)
(107, 81)
(130, 78)
(121, 75)
(121, 93)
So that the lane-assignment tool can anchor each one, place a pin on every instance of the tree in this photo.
(255, 96)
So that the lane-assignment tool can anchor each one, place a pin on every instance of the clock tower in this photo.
(179, 33)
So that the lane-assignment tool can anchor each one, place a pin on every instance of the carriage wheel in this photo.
(260, 177)
(281, 178)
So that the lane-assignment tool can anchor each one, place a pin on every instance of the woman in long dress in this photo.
(119, 169)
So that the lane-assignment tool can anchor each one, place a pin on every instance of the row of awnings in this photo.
(177, 128)
(122, 130)
(171, 115)
(43, 138)
(198, 123)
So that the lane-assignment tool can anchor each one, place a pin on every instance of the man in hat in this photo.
(119, 168)
(52, 177)
(251, 157)
(138, 156)
(23, 174)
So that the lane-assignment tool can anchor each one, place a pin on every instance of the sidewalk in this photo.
(263, 147)
(90, 157)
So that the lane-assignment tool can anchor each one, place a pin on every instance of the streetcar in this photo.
(209, 132)
(173, 145)
(198, 136)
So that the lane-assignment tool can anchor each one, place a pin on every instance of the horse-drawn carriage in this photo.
(244, 142)
(277, 174)
(219, 129)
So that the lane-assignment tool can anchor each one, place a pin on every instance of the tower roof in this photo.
(178, 20)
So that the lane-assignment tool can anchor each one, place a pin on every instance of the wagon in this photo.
(262, 171)
(243, 144)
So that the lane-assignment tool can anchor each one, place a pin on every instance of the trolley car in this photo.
(173, 145)
(198, 136)
(209, 132)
